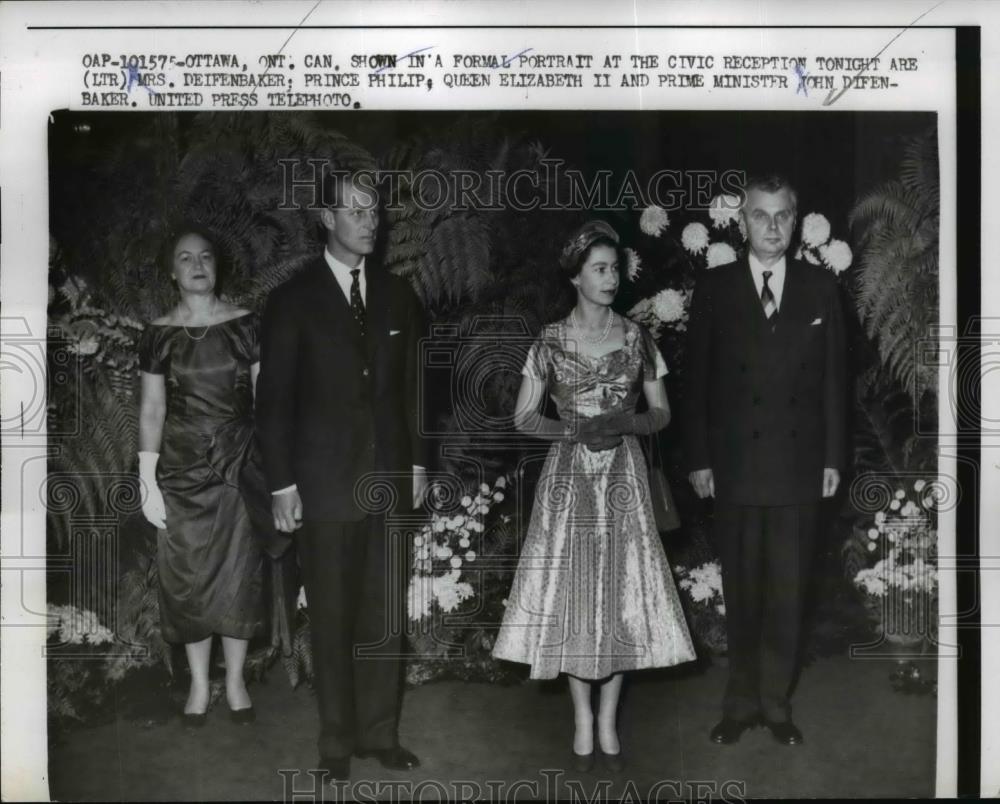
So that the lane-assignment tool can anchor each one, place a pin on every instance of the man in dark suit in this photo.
(336, 402)
(765, 436)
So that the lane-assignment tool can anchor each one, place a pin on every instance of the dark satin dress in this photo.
(211, 564)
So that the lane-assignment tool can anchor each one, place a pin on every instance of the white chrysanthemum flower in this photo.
(719, 254)
(654, 220)
(810, 256)
(484, 489)
(418, 540)
(449, 592)
(871, 547)
(879, 517)
(918, 485)
(634, 264)
(837, 254)
(470, 555)
(695, 237)
(464, 542)
(669, 305)
(815, 229)
(872, 533)
(456, 562)
(724, 209)
(466, 501)
(498, 496)
(501, 482)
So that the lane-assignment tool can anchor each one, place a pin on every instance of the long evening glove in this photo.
(153, 507)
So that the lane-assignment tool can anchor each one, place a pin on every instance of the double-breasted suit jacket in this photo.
(765, 410)
(334, 406)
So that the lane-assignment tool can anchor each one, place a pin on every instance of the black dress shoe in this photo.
(728, 730)
(397, 758)
(613, 762)
(338, 769)
(243, 717)
(583, 763)
(194, 720)
(785, 732)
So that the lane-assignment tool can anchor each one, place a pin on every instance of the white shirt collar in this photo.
(342, 273)
(341, 269)
(777, 270)
(776, 282)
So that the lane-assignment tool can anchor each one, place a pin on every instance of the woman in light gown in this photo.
(593, 595)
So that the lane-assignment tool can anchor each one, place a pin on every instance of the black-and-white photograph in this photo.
(514, 454)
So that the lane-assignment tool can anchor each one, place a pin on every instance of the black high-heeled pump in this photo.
(583, 763)
(194, 720)
(243, 717)
(613, 762)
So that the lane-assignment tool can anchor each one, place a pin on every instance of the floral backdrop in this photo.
(470, 266)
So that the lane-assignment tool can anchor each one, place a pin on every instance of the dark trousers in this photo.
(766, 555)
(355, 579)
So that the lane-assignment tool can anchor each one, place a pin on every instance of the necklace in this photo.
(207, 326)
(603, 337)
(199, 338)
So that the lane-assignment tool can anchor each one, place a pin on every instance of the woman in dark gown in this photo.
(199, 366)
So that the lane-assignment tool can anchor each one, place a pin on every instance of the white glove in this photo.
(152, 504)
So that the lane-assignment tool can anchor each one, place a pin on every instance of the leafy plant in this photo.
(896, 284)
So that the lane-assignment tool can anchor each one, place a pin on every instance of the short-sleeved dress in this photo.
(593, 593)
(211, 566)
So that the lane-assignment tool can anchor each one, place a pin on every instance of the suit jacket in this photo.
(333, 406)
(766, 411)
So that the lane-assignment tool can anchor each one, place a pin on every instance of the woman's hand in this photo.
(286, 507)
(597, 434)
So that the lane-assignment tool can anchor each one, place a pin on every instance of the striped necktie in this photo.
(357, 306)
(767, 299)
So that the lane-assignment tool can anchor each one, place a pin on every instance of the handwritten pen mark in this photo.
(835, 95)
(508, 63)
(134, 77)
(400, 58)
(281, 49)
(800, 71)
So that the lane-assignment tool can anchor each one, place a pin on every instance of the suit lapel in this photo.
(791, 295)
(749, 292)
(376, 308)
(341, 317)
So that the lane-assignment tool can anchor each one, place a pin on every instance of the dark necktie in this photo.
(767, 299)
(357, 306)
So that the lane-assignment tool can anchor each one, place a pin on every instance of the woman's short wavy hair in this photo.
(579, 245)
(189, 226)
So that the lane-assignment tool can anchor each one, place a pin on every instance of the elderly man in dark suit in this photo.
(765, 436)
(336, 402)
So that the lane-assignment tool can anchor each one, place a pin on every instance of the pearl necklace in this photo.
(603, 337)
(215, 306)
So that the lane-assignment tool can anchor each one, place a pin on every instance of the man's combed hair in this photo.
(770, 183)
